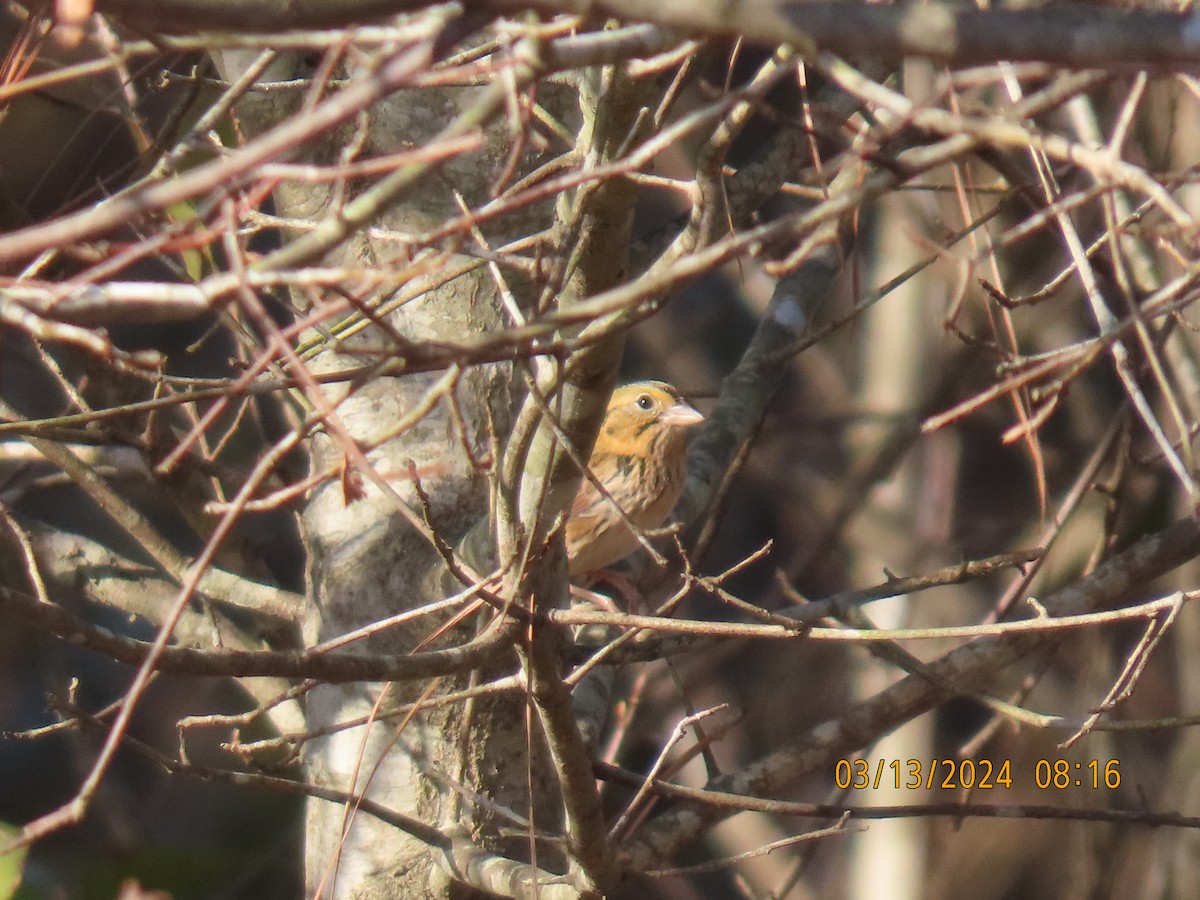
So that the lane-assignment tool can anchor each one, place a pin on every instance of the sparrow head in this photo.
(644, 416)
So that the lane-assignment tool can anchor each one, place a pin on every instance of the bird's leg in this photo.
(600, 601)
(623, 585)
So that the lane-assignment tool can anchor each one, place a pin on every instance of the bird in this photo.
(639, 457)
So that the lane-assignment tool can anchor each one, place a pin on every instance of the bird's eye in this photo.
(645, 403)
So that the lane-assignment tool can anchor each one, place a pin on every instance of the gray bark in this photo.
(367, 561)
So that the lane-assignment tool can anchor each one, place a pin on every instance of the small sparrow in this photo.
(639, 458)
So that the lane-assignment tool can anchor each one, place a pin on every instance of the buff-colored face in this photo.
(639, 414)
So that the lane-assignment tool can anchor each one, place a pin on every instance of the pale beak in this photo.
(681, 415)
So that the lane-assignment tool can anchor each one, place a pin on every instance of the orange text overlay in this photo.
(975, 774)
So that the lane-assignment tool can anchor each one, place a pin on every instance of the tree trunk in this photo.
(368, 561)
